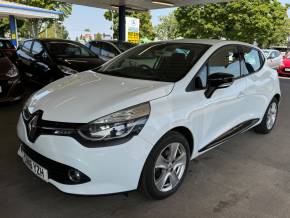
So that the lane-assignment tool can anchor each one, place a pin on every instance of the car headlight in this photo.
(121, 124)
(66, 70)
(13, 72)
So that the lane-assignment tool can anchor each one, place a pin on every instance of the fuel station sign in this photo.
(132, 30)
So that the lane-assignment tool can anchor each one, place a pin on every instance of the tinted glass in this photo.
(37, 48)
(27, 46)
(123, 46)
(6, 44)
(251, 60)
(168, 62)
(225, 60)
(69, 49)
(108, 50)
(96, 48)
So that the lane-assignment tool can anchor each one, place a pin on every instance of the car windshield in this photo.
(6, 44)
(123, 46)
(69, 49)
(168, 62)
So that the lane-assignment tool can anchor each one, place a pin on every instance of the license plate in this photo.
(287, 69)
(35, 167)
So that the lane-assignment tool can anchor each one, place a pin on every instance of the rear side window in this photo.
(37, 48)
(108, 50)
(225, 60)
(27, 46)
(96, 48)
(252, 60)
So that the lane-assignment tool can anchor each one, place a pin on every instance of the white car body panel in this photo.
(84, 97)
(87, 96)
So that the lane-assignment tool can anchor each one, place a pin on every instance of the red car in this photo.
(284, 69)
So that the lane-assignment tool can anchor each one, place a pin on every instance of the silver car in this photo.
(274, 58)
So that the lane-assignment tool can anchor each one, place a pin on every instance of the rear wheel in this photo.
(269, 119)
(165, 167)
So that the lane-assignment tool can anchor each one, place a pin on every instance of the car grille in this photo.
(56, 171)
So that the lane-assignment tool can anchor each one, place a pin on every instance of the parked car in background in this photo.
(11, 87)
(284, 69)
(137, 121)
(283, 49)
(46, 60)
(274, 58)
(108, 49)
(8, 48)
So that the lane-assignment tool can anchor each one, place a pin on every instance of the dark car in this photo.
(107, 49)
(11, 87)
(8, 48)
(45, 60)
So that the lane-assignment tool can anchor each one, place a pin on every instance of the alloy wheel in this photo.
(272, 115)
(170, 167)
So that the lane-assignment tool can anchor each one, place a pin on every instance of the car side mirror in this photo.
(218, 81)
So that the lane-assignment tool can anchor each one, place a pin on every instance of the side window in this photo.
(252, 61)
(96, 48)
(37, 48)
(27, 46)
(225, 60)
(108, 50)
(200, 80)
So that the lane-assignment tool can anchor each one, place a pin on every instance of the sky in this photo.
(83, 17)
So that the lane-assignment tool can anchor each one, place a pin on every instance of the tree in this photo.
(98, 36)
(33, 27)
(167, 28)
(146, 27)
(87, 30)
(263, 21)
(57, 30)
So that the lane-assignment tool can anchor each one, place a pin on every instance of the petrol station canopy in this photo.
(140, 4)
(25, 11)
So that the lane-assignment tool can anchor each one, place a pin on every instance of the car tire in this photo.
(165, 167)
(269, 119)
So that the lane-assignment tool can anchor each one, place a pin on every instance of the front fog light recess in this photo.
(74, 175)
(121, 124)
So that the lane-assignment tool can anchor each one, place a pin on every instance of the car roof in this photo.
(51, 40)
(269, 50)
(208, 42)
(111, 41)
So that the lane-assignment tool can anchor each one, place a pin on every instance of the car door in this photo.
(24, 58)
(223, 111)
(258, 82)
(40, 64)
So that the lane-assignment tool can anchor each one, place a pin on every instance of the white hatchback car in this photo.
(135, 122)
(274, 58)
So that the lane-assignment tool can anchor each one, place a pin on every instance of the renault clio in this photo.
(137, 121)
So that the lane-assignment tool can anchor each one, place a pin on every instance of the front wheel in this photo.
(269, 119)
(166, 166)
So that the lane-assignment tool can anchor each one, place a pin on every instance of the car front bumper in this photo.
(11, 90)
(111, 169)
